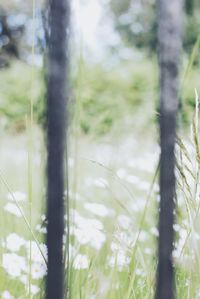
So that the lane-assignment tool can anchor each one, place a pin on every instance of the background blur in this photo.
(113, 66)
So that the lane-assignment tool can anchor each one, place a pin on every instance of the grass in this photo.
(98, 186)
(113, 220)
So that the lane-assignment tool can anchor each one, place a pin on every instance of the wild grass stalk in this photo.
(188, 166)
(30, 141)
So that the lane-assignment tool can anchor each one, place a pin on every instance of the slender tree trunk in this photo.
(170, 44)
(56, 132)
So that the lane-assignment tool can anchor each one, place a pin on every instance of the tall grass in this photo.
(124, 264)
(188, 198)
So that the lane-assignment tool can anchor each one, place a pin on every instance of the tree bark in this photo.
(56, 132)
(170, 43)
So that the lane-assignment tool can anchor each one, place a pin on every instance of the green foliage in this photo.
(136, 23)
(192, 31)
(106, 97)
(18, 86)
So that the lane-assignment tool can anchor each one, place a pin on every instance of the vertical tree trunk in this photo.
(170, 43)
(56, 132)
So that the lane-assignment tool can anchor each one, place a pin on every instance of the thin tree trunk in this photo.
(56, 132)
(170, 44)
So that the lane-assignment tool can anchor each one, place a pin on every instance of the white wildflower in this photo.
(72, 251)
(124, 221)
(124, 239)
(97, 209)
(148, 251)
(16, 196)
(143, 236)
(12, 209)
(87, 231)
(100, 182)
(196, 236)
(156, 188)
(34, 289)
(6, 295)
(122, 243)
(14, 264)
(121, 260)
(146, 164)
(143, 185)
(176, 227)
(41, 229)
(154, 231)
(43, 217)
(82, 222)
(14, 242)
(38, 270)
(158, 198)
(24, 279)
(138, 205)
(95, 238)
(121, 173)
(132, 179)
(76, 196)
(71, 162)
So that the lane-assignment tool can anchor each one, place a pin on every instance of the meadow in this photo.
(113, 169)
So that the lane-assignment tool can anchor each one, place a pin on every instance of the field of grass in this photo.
(113, 217)
(107, 201)
(113, 186)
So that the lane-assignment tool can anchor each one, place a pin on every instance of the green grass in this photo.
(113, 159)
(17, 83)
(109, 184)
(119, 183)
(117, 195)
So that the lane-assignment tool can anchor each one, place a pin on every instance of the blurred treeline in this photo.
(108, 93)
(136, 23)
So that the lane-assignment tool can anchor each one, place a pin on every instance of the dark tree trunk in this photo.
(170, 44)
(56, 132)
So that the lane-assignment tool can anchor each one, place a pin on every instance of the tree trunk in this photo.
(56, 132)
(170, 43)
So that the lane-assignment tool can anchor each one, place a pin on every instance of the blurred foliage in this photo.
(106, 97)
(103, 99)
(136, 22)
(20, 28)
(18, 84)
(9, 37)
(192, 31)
